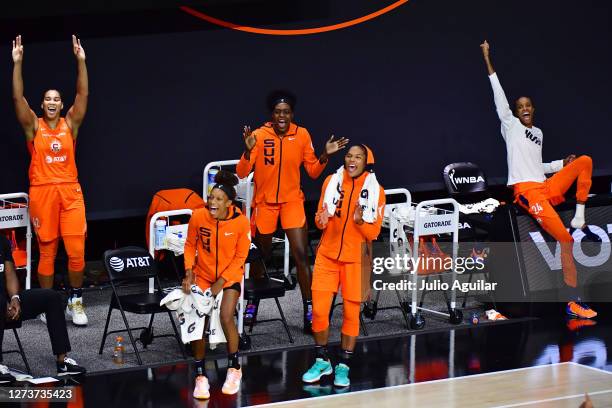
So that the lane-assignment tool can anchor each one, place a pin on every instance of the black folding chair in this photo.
(14, 325)
(135, 265)
(266, 288)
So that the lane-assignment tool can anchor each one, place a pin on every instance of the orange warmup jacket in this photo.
(217, 248)
(277, 164)
(342, 238)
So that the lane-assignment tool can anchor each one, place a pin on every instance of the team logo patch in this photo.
(55, 146)
(116, 263)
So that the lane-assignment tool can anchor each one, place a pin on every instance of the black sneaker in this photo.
(69, 367)
(5, 375)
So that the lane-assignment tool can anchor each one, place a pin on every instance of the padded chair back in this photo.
(129, 263)
(173, 199)
(464, 178)
(254, 254)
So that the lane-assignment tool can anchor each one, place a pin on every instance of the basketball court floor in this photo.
(520, 363)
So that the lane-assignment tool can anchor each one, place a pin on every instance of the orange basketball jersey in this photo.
(52, 152)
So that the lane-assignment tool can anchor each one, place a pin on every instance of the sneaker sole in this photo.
(202, 397)
(328, 372)
(341, 385)
(574, 315)
(230, 392)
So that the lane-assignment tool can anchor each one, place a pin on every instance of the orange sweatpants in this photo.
(328, 275)
(539, 198)
(75, 248)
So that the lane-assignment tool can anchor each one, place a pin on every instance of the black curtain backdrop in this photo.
(410, 83)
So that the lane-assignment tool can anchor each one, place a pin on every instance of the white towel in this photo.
(368, 196)
(190, 310)
(216, 335)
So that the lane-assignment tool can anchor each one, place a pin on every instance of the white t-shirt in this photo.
(523, 144)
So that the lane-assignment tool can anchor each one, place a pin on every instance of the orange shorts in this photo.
(204, 284)
(57, 210)
(291, 214)
(329, 274)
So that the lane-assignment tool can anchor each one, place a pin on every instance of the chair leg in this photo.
(108, 316)
(363, 325)
(23, 356)
(424, 292)
(176, 335)
(404, 313)
(282, 315)
(127, 326)
(465, 296)
(144, 345)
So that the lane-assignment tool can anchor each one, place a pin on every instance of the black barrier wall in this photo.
(411, 83)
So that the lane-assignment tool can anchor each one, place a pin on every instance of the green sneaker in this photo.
(318, 370)
(341, 375)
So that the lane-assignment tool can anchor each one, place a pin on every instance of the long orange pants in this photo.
(539, 198)
(328, 275)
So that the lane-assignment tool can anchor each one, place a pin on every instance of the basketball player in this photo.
(533, 191)
(277, 150)
(342, 253)
(57, 208)
(220, 235)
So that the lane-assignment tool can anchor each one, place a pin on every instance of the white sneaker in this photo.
(232, 381)
(201, 389)
(76, 310)
(43, 318)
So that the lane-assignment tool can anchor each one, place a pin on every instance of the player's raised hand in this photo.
(249, 138)
(333, 144)
(77, 49)
(17, 50)
(485, 47)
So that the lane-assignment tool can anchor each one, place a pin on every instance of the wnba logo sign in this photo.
(116, 263)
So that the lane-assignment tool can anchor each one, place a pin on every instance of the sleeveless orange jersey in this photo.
(277, 164)
(52, 152)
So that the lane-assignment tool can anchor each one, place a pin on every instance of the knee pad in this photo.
(46, 263)
(75, 248)
(321, 304)
(350, 318)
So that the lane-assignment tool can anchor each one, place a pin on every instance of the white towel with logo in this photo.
(216, 335)
(190, 310)
(368, 196)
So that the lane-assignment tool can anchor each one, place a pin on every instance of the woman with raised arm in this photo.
(57, 208)
(536, 193)
(276, 151)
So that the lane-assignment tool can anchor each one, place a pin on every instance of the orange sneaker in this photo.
(201, 390)
(577, 324)
(232, 381)
(580, 310)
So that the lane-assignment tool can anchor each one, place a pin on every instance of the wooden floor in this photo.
(557, 385)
